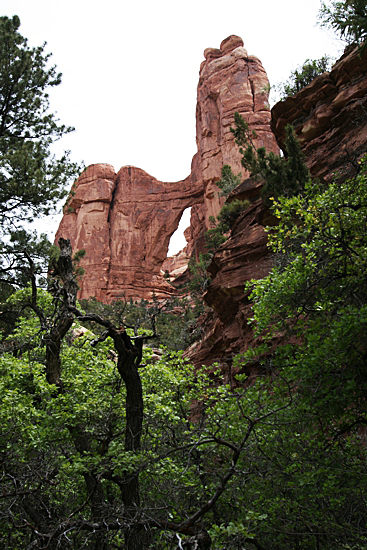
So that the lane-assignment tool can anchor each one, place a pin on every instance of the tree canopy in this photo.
(32, 179)
(105, 444)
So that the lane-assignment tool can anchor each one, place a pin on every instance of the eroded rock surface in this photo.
(230, 80)
(330, 117)
(124, 221)
(244, 256)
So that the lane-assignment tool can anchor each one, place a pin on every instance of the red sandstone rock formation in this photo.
(329, 116)
(230, 80)
(124, 221)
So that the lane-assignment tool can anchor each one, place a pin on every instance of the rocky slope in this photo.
(124, 221)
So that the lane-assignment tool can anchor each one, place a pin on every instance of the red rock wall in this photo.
(124, 221)
(86, 223)
(244, 256)
(330, 117)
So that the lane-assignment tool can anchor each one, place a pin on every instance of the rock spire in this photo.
(124, 221)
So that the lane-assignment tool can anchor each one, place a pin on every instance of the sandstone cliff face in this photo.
(330, 118)
(230, 80)
(124, 221)
(244, 256)
(86, 223)
(144, 214)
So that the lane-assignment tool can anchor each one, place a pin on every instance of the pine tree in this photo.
(285, 176)
(32, 180)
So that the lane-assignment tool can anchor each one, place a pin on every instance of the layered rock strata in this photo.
(330, 117)
(124, 221)
(244, 256)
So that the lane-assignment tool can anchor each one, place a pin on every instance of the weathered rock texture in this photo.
(124, 221)
(244, 256)
(230, 80)
(330, 118)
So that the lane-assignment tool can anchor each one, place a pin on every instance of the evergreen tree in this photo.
(348, 18)
(228, 181)
(304, 75)
(284, 176)
(32, 179)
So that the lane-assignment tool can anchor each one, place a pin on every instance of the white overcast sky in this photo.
(130, 67)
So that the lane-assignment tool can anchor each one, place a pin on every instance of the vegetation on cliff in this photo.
(104, 445)
(285, 176)
(304, 75)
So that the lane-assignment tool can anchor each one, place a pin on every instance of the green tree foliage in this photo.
(314, 308)
(32, 179)
(229, 214)
(173, 321)
(228, 181)
(322, 232)
(348, 18)
(282, 176)
(304, 75)
(199, 277)
(81, 466)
